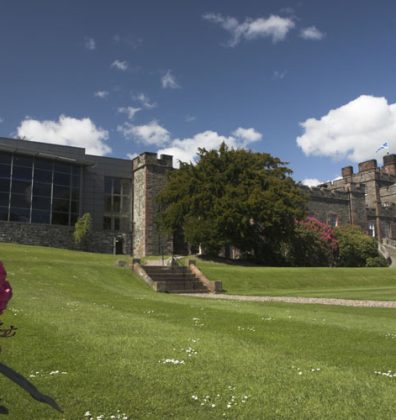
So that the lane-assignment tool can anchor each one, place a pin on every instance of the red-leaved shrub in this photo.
(314, 245)
(5, 289)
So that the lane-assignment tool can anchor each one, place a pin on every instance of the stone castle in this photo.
(44, 188)
(366, 198)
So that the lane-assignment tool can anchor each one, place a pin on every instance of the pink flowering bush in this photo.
(5, 289)
(314, 244)
(5, 296)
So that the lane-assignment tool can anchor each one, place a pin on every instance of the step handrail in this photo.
(213, 286)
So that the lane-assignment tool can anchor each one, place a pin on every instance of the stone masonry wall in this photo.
(139, 214)
(369, 178)
(388, 194)
(323, 203)
(149, 177)
(156, 242)
(60, 237)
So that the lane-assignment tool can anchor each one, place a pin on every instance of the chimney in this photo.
(369, 165)
(390, 164)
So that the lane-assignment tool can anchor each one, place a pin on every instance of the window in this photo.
(117, 207)
(4, 185)
(36, 190)
(371, 229)
(39, 216)
(5, 171)
(3, 213)
(5, 158)
(41, 203)
(332, 220)
(19, 215)
(22, 174)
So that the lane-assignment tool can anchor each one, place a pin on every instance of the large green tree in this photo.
(235, 197)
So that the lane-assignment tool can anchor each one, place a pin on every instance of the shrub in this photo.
(5, 289)
(82, 228)
(356, 248)
(314, 244)
(379, 261)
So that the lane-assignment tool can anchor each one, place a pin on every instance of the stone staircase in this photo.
(174, 279)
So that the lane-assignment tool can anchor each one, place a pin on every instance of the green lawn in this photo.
(78, 313)
(347, 283)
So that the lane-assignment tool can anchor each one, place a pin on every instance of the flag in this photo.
(383, 147)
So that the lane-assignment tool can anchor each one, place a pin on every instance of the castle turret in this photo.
(347, 171)
(390, 164)
(368, 165)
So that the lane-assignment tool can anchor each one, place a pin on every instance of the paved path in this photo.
(289, 299)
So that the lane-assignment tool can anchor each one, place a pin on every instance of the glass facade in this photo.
(117, 204)
(36, 190)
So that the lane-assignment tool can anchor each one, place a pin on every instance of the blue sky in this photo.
(312, 82)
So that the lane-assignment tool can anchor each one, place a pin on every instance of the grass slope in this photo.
(78, 313)
(347, 283)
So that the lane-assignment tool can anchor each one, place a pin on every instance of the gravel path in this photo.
(289, 299)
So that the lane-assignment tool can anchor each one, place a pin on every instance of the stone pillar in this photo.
(149, 176)
(357, 205)
(378, 208)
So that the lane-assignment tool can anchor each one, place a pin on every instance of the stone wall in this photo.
(370, 176)
(139, 214)
(388, 195)
(156, 242)
(324, 203)
(57, 236)
(149, 177)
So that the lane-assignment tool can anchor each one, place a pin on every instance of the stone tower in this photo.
(149, 177)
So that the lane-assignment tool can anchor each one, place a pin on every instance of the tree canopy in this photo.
(232, 197)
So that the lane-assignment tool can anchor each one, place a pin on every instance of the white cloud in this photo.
(67, 131)
(101, 94)
(119, 65)
(247, 135)
(186, 149)
(311, 182)
(190, 118)
(353, 131)
(144, 100)
(89, 43)
(280, 75)
(274, 27)
(128, 40)
(130, 111)
(150, 134)
(168, 81)
(312, 33)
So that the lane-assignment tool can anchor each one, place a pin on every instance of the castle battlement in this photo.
(149, 158)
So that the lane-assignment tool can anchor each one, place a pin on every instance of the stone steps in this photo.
(175, 279)
(172, 277)
(159, 269)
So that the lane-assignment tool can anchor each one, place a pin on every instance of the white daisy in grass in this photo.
(389, 373)
(172, 362)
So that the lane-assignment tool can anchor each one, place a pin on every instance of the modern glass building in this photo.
(44, 188)
(38, 190)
